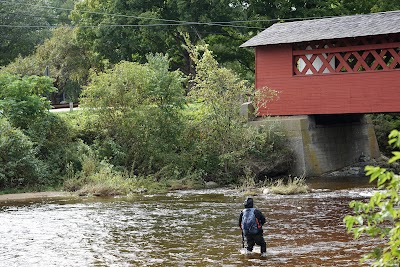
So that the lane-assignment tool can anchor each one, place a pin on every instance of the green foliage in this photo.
(157, 31)
(68, 63)
(25, 24)
(221, 143)
(96, 177)
(266, 143)
(368, 6)
(18, 163)
(100, 178)
(379, 217)
(20, 40)
(50, 142)
(22, 99)
(219, 127)
(55, 143)
(138, 107)
(140, 125)
(142, 134)
(383, 125)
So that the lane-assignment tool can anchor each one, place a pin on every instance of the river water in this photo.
(183, 228)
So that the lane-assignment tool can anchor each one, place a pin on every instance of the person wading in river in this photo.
(251, 221)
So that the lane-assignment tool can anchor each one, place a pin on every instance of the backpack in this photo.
(250, 224)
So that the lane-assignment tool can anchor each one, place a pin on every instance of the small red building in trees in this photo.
(337, 65)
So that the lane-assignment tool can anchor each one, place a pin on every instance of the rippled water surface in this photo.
(186, 228)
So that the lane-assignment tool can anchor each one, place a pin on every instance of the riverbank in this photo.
(33, 196)
(332, 180)
(358, 168)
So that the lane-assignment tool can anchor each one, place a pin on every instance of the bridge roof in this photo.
(328, 28)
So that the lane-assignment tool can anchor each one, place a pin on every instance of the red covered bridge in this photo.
(333, 70)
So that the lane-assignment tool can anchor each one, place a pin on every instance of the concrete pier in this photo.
(325, 143)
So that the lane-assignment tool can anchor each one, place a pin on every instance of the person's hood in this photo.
(248, 203)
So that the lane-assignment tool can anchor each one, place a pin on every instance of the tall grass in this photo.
(296, 185)
(249, 186)
(100, 178)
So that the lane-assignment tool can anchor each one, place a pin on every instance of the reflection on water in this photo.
(187, 228)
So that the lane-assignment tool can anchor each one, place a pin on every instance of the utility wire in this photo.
(174, 22)
(101, 26)
(26, 14)
(109, 14)
(170, 21)
(89, 26)
(127, 25)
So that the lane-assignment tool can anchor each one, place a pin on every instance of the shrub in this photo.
(384, 124)
(138, 120)
(54, 143)
(379, 217)
(49, 143)
(18, 163)
(22, 100)
(96, 178)
(221, 143)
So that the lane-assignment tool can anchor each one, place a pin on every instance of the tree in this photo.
(368, 6)
(138, 107)
(22, 100)
(18, 163)
(24, 24)
(379, 218)
(220, 141)
(291, 9)
(24, 135)
(68, 63)
(35, 144)
(17, 36)
(157, 26)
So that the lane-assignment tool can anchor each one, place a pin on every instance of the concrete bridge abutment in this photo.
(325, 143)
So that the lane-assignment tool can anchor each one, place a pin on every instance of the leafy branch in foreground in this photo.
(379, 218)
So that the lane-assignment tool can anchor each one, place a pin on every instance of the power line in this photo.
(217, 23)
(170, 21)
(126, 16)
(178, 22)
(90, 26)
(30, 15)
(104, 26)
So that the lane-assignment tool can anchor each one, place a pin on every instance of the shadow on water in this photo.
(185, 228)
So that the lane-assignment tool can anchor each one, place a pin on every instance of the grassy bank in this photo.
(292, 186)
(288, 186)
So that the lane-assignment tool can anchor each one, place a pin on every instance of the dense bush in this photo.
(219, 140)
(18, 163)
(379, 217)
(55, 144)
(136, 129)
(68, 64)
(384, 124)
(41, 143)
(22, 99)
(142, 126)
(136, 110)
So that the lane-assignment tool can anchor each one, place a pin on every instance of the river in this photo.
(182, 228)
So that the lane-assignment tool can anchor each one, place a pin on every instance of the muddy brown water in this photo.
(185, 228)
